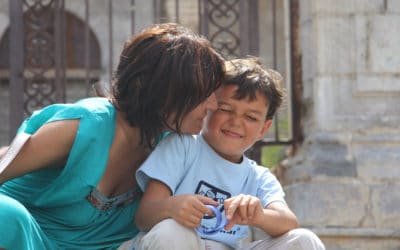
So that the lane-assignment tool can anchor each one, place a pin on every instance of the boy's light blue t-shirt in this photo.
(188, 165)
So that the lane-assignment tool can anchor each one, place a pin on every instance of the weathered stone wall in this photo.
(344, 181)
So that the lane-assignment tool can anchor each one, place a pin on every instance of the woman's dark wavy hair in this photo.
(250, 76)
(164, 70)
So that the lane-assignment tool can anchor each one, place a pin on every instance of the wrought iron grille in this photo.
(43, 55)
(43, 51)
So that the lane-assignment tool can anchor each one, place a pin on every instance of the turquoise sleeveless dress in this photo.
(60, 208)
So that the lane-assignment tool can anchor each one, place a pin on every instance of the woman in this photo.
(72, 184)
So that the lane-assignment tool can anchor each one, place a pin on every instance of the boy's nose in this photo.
(235, 120)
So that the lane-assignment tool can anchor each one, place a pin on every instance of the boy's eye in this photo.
(252, 118)
(225, 110)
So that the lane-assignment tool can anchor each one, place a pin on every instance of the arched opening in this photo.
(81, 58)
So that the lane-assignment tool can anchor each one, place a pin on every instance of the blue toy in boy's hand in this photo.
(220, 224)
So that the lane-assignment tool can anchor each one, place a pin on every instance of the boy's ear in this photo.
(265, 128)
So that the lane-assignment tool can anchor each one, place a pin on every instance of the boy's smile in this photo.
(230, 133)
(236, 125)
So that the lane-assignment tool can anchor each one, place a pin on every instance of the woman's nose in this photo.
(212, 103)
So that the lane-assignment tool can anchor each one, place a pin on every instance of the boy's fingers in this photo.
(229, 226)
(191, 222)
(209, 212)
(207, 201)
(201, 206)
(231, 208)
(252, 209)
(243, 208)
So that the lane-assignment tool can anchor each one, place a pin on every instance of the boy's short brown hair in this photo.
(250, 76)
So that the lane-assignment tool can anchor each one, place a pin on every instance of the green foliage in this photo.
(272, 155)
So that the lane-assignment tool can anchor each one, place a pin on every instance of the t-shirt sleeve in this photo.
(269, 189)
(166, 163)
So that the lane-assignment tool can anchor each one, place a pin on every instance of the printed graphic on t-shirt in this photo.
(210, 191)
(232, 237)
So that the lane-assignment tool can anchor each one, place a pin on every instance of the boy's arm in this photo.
(157, 204)
(276, 219)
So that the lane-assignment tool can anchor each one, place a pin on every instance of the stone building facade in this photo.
(344, 181)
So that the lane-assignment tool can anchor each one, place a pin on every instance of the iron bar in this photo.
(87, 49)
(274, 61)
(177, 11)
(110, 35)
(16, 66)
(133, 9)
(59, 53)
(296, 73)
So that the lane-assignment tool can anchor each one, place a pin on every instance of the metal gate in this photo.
(44, 48)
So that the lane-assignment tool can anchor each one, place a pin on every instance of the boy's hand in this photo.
(242, 209)
(189, 209)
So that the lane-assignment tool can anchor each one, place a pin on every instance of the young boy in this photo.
(186, 173)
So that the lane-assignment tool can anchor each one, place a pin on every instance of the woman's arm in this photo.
(3, 151)
(157, 204)
(49, 146)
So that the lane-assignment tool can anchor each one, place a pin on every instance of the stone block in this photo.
(323, 154)
(326, 202)
(369, 6)
(347, 6)
(385, 203)
(333, 6)
(306, 36)
(339, 105)
(393, 6)
(305, 14)
(378, 162)
(360, 243)
(388, 84)
(335, 46)
(326, 155)
(384, 44)
(361, 37)
(332, 93)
